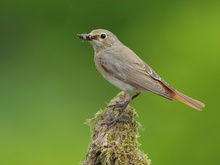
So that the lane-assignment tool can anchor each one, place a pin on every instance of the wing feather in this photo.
(133, 71)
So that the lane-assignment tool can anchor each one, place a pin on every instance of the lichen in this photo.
(115, 144)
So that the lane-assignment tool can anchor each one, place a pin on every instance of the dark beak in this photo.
(86, 37)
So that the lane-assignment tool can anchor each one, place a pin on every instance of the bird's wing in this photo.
(143, 67)
(133, 71)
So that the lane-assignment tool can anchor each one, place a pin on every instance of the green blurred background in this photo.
(49, 85)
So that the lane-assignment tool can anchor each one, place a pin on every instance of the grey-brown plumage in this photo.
(123, 68)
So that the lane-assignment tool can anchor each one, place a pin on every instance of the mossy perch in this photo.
(115, 144)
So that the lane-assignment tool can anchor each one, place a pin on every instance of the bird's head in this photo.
(100, 38)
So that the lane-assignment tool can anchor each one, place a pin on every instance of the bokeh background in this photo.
(49, 85)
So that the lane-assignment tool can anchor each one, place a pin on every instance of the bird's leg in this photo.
(122, 104)
(136, 95)
(123, 107)
(125, 104)
(117, 118)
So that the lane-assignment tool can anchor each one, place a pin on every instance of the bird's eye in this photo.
(103, 36)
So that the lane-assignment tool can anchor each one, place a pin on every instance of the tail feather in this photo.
(182, 98)
(188, 101)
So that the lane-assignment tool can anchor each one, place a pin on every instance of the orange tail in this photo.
(187, 100)
(183, 98)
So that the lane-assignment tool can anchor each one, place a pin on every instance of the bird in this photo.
(119, 65)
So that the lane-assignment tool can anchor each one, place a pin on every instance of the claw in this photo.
(116, 119)
(116, 105)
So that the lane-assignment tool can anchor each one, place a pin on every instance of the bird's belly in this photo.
(121, 85)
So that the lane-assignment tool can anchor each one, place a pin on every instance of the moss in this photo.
(115, 144)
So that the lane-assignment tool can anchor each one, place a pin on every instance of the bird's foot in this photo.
(115, 120)
(116, 105)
